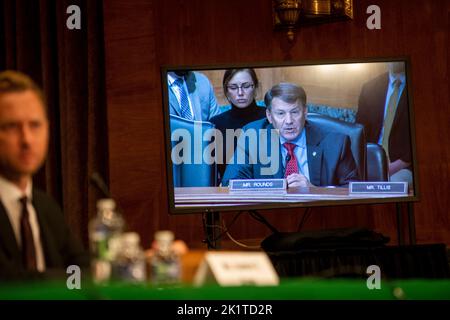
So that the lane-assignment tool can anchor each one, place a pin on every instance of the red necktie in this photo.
(291, 159)
(26, 234)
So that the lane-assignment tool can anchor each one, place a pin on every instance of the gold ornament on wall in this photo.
(289, 15)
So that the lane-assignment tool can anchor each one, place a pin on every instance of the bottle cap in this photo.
(164, 236)
(106, 204)
(131, 238)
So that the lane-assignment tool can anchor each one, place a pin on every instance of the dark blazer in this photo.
(60, 248)
(235, 118)
(330, 159)
(201, 94)
(370, 113)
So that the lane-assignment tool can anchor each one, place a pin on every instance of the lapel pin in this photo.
(314, 154)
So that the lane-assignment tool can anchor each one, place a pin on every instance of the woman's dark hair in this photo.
(230, 74)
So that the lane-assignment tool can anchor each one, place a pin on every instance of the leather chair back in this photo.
(194, 173)
(377, 165)
(354, 130)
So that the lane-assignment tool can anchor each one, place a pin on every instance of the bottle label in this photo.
(165, 271)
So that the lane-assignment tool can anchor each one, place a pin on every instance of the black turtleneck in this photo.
(236, 118)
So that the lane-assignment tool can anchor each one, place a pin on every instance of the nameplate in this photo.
(236, 269)
(379, 187)
(258, 185)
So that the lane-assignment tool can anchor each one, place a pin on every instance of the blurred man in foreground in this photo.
(34, 237)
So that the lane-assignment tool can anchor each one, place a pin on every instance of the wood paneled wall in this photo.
(142, 35)
(334, 85)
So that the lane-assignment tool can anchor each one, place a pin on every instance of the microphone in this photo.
(288, 158)
(100, 184)
(98, 181)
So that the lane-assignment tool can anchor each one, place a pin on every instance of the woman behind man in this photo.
(239, 86)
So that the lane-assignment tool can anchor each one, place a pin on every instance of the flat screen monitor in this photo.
(326, 133)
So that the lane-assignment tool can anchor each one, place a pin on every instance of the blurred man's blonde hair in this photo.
(15, 81)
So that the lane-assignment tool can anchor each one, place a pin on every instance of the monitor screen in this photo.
(289, 134)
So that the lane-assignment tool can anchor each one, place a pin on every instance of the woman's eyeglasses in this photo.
(245, 87)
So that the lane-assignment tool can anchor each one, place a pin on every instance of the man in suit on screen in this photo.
(34, 237)
(305, 155)
(191, 95)
(383, 110)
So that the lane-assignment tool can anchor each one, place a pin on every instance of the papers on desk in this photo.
(267, 197)
(191, 197)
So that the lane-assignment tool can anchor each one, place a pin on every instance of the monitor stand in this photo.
(410, 220)
(212, 229)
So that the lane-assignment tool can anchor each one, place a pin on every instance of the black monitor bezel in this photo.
(320, 203)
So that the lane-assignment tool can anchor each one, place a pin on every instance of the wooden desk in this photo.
(222, 197)
(216, 199)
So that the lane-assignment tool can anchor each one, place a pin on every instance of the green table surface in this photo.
(288, 289)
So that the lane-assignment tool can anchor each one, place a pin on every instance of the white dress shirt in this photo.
(10, 196)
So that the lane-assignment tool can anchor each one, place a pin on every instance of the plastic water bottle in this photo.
(104, 230)
(129, 264)
(165, 264)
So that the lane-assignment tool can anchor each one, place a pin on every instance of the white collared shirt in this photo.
(10, 196)
(300, 151)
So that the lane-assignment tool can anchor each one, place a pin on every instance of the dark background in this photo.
(105, 97)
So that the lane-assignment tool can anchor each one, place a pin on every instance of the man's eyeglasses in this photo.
(245, 87)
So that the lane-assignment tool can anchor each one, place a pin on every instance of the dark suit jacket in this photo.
(235, 118)
(59, 247)
(201, 94)
(330, 159)
(371, 114)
